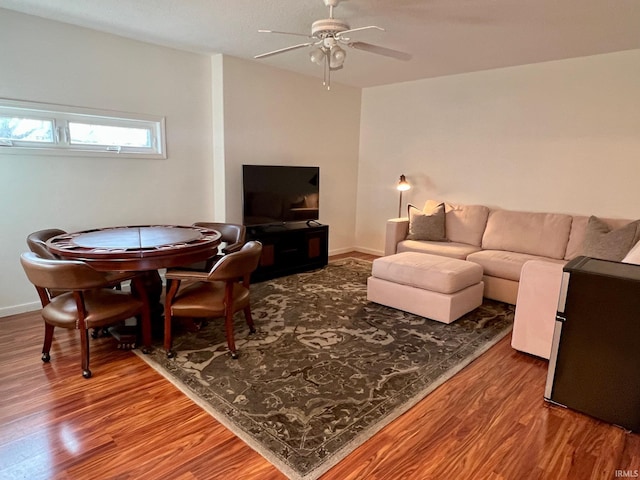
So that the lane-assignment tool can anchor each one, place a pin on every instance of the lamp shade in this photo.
(403, 185)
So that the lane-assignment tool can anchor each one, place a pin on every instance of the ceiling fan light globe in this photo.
(317, 56)
(337, 57)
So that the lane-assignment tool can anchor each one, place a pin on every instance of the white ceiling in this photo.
(443, 36)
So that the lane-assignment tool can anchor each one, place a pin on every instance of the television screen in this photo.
(276, 194)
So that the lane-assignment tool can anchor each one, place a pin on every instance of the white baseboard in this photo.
(16, 309)
(30, 307)
(370, 251)
(33, 306)
(338, 251)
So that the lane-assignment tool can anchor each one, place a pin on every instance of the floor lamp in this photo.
(403, 186)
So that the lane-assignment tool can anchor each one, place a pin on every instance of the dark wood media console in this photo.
(290, 248)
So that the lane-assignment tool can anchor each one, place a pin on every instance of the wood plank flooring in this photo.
(128, 422)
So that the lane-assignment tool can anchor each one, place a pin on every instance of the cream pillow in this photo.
(600, 241)
(427, 225)
(633, 256)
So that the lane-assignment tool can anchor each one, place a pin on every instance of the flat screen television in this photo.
(276, 194)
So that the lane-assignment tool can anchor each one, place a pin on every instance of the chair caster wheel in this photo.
(46, 357)
(171, 354)
(86, 373)
(234, 355)
(146, 350)
(252, 331)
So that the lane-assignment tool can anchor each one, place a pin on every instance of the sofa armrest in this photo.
(536, 307)
(397, 229)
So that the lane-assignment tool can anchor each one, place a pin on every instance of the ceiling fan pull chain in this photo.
(325, 80)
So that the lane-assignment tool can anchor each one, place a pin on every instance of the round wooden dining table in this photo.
(137, 248)
(143, 249)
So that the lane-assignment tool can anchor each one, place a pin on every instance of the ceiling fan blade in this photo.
(282, 50)
(285, 33)
(341, 34)
(387, 52)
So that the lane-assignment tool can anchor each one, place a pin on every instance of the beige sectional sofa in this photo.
(499, 240)
(522, 255)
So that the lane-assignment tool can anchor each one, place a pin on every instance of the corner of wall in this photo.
(217, 115)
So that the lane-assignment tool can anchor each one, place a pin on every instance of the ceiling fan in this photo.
(327, 38)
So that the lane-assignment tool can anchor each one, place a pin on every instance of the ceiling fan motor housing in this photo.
(328, 27)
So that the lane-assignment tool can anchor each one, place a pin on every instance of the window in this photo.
(59, 130)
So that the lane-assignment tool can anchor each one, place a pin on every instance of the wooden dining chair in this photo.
(220, 292)
(37, 243)
(87, 301)
(231, 234)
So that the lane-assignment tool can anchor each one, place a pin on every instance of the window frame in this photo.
(62, 115)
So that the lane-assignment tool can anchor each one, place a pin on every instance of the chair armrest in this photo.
(186, 275)
(234, 247)
(396, 231)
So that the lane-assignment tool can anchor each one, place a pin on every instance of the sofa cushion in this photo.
(444, 249)
(428, 272)
(578, 230)
(540, 234)
(502, 264)
(427, 224)
(605, 243)
(463, 223)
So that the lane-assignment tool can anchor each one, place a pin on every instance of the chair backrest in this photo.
(37, 242)
(237, 264)
(231, 233)
(61, 274)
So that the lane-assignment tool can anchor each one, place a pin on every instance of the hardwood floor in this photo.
(128, 422)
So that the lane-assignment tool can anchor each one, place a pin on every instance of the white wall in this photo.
(243, 111)
(52, 62)
(560, 137)
(276, 117)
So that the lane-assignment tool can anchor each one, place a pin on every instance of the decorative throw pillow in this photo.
(633, 256)
(426, 225)
(606, 244)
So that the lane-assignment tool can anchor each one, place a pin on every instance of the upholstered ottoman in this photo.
(439, 288)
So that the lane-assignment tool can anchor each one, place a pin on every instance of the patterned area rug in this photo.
(326, 369)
